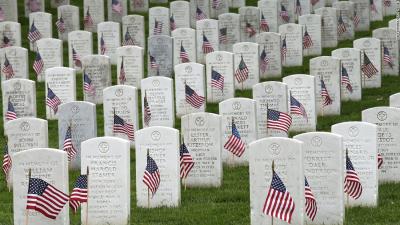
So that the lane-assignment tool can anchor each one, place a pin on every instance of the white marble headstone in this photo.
(206, 29)
(270, 42)
(249, 52)
(93, 9)
(82, 43)
(390, 45)
(361, 14)
(229, 22)
(345, 13)
(312, 25)
(43, 23)
(198, 9)
(51, 52)
(394, 100)
(111, 34)
(269, 9)
(70, 18)
(159, 21)
(10, 10)
(329, 34)
(98, 69)
(292, 37)
(134, 25)
(10, 34)
(184, 42)
(117, 9)
(139, 5)
(249, 23)
(32, 6)
(161, 49)
(18, 59)
(376, 7)
(180, 12)
(130, 65)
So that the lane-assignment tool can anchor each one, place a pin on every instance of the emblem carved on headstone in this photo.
(103, 147)
(382, 115)
(75, 109)
(236, 105)
(316, 141)
(298, 81)
(119, 92)
(155, 135)
(156, 83)
(269, 89)
(199, 121)
(353, 131)
(274, 148)
(188, 69)
(25, 126)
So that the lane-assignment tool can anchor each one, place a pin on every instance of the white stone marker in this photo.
(207, 38)
(133, 27)
(159, 21)
(199, 9)
(108, 40)
(18, 59)
(390, 50)
(269, 9)
(51, 52)
(329, 34)
(116, 10)
(345, 23)
(291, 44)
(98, 71)
(93, 9)
(312, 25)
(376, 7)
(180, 13)
(70, 20)
(81, 42)
(43, 24)
(249, 23)
(10, 10)
(361, 14)
(10, 34)
(270, 42)
(130, 65)
(139, 5)
(32, 6)
(247, 53)
(184, 44)
(160, 56)
(394, 100)
(228, 30)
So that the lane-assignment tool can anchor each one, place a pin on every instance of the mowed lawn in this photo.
(229, 204)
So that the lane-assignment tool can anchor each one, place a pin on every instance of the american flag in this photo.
(7, 68)
(283, 49)
(278, 203)
(242, 72)
(38, 64)
(216, 4)
(88, 20)
(250, 30)
(341, 26)
(278, 120)
(88, 86)
(10, 114)
(263, 23)
(352, 184)
(183, 55)
(128, 39)
(33, 5)
(79, 193)
(153, 62)
(380, 161)
(325, 94)
(151, 177)
(356, 19)
(122, 127)
(158, 25)
(387, 58)
(102, 45)
(122, 74)
(60, 25)
(200, 14)
(367, 67)
(296, 107)
(314, 2)
(235, 144)
(68, 145)
(387, 3)
(6, 42)
(284, 14)
(346, 79)
(264, 61)
(45, 198)
(373, 6)
(2, 14)
(76, 58)
(223, 38)
(217, 80)
(186, 161)
(311, 203)
(52, 100)
(172, 24)
(307, 41)
(193, 98)
(298, 7)
(34, 33)
(7, 162)
(207, 47)
(116, 6)
(146, 110)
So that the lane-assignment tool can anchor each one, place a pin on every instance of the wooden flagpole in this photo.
(27, 210)
(87, 201)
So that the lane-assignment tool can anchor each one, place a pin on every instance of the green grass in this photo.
(229, 204)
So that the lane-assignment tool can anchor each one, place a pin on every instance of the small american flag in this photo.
(193, 98)
(223, 38)
(367, 67)
(352, 184)
(79, 193)
(52, 100)
(311, 203)
(298, 7)
(38, 64)
(235, 143)
(2, 15)
(380, 160)
(186, 161)
(45, 199)
(314, 2)
(102, 45)
(7, 162)
(122, 127)
(122, 74)
(206, 47)
(128, 39)
(146, 110)
(307, 41)
(68, 146)
(88, 86)
(151, 177)
(7, 68)
(387, 58)
(34, 5)
(183, 55)
(242, 72)
(346, 80)
(88, 20)
(263, 23)
(250, 30)
(6, 42)
(76, 58)
(264, 61)
(34, 33)
(217, 80)
(200, 14)
(158, 26)
(172, 24)
(296, 107)
(325, 95)
(387, 3)
(341, 26)
(153, 62)
(278, 120)
(60, 25)
(373, 6)
(284, 14)
(279, 203)
(116, 6)
(356, 19)
(216, 4)
(10, 114)
(283, 49)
